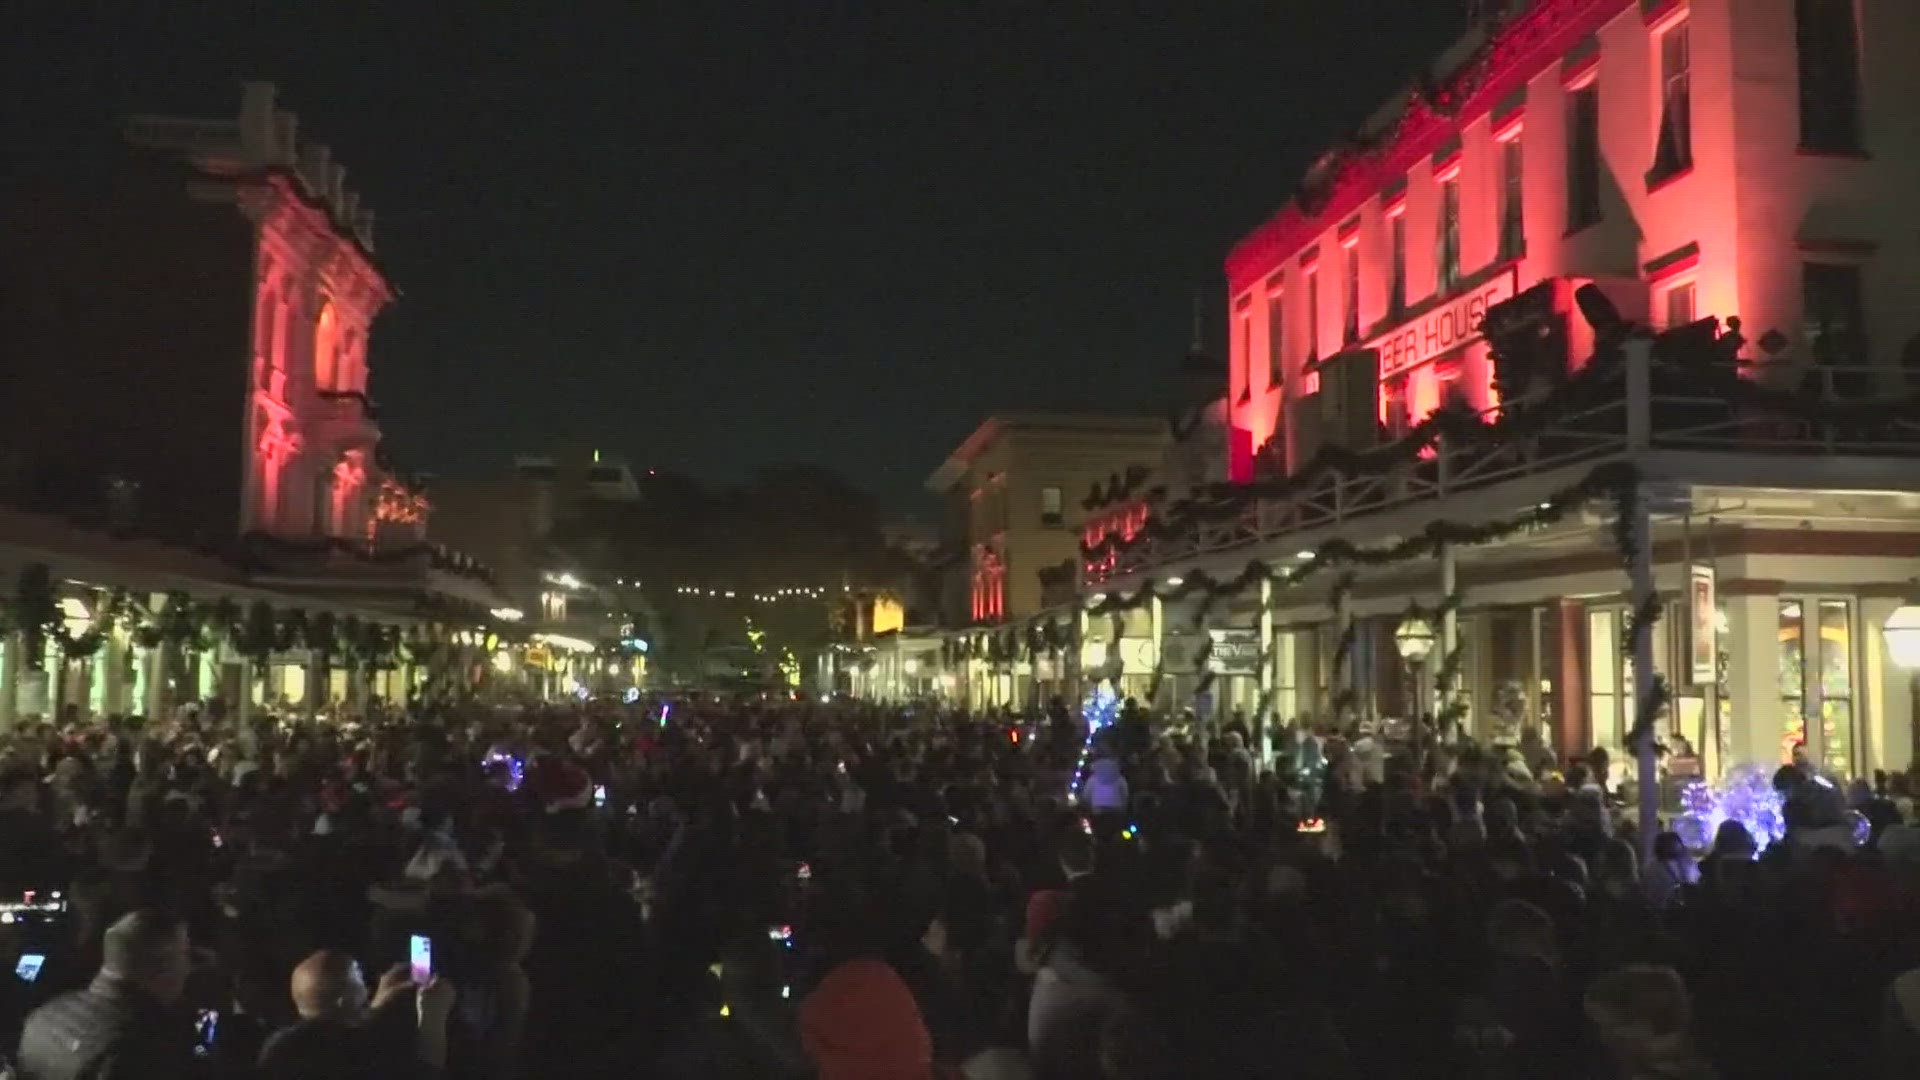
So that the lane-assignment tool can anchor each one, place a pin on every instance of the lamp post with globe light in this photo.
(1414, 639)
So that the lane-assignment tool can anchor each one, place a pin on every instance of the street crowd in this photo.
(702, 888)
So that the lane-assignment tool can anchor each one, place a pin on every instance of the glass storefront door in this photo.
(1816, 679)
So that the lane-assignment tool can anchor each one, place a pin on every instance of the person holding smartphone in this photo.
(400, 1030)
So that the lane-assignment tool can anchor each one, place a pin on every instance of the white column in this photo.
(156, 681)
(11, 646)
(1888, 690)
(1753, 679)
(1269, 659)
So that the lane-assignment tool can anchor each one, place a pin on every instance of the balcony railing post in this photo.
(1639, 356)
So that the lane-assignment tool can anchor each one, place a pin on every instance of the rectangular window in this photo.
(1313, 315)
(1513, 221)
(1816, 679)
(1827, 41)
(1603, 676)
(1051, 514)
(1835, 320)
(1673, 154)
(1276, 339)
(1583, 157)
(1680, 305)
(1448, 247)
(1245, 365)
(1397, 297)
(1353, 295)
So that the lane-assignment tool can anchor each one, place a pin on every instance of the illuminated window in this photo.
(1050, 508)
(1243, 341)
(1276, 338)
(1448, 247)
(1397, 295)
(1681, 305)
(1513, 218)
(1674, 152)
(1583, 157)
(323, 503)
(1352, 329)
(267, 334)
(326, 348)
(1816, 678)
(1829, 50)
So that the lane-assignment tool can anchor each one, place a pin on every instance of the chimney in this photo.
(256, 119)
(286, 132)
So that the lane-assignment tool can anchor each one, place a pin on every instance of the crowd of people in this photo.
(705, 888)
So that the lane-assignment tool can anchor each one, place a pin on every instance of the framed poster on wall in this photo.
(1703, 625)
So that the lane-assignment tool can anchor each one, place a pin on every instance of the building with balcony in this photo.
(1014, 492)
(1600, 187)
(188, 365)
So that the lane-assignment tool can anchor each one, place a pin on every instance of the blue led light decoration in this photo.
(1746, 795)
(516, 768)
(1100, 710)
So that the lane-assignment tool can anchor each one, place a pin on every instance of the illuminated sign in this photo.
(1443, 329)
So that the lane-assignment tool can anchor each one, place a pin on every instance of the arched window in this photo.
(326, 347)
(267, 330)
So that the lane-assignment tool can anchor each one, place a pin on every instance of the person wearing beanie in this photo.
(861, 1023)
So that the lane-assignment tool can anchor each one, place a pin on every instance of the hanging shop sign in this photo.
(1703, 620)
(1180, 652)
(1443, 329)
(1236, 651)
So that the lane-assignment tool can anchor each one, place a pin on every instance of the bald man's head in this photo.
(328, 984)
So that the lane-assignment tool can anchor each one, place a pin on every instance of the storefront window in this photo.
(1286, 692)
(1603, 674)
(1511, 660)
(1836, 684)
(1816, 678)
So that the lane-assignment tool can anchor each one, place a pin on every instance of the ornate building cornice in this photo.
(1345, 177)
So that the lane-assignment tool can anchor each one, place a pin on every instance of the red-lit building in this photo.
(185, 322)
(1692, 157)
(1695, 160)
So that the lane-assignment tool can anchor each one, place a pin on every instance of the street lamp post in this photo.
(1414, 640)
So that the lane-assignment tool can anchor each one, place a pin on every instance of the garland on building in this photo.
(1686, 367)
(1616, 479)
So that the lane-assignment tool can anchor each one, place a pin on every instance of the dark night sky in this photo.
(748, 234)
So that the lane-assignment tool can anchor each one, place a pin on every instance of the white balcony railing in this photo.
(1645, 405)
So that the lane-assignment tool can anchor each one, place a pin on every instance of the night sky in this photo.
(759, 234)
